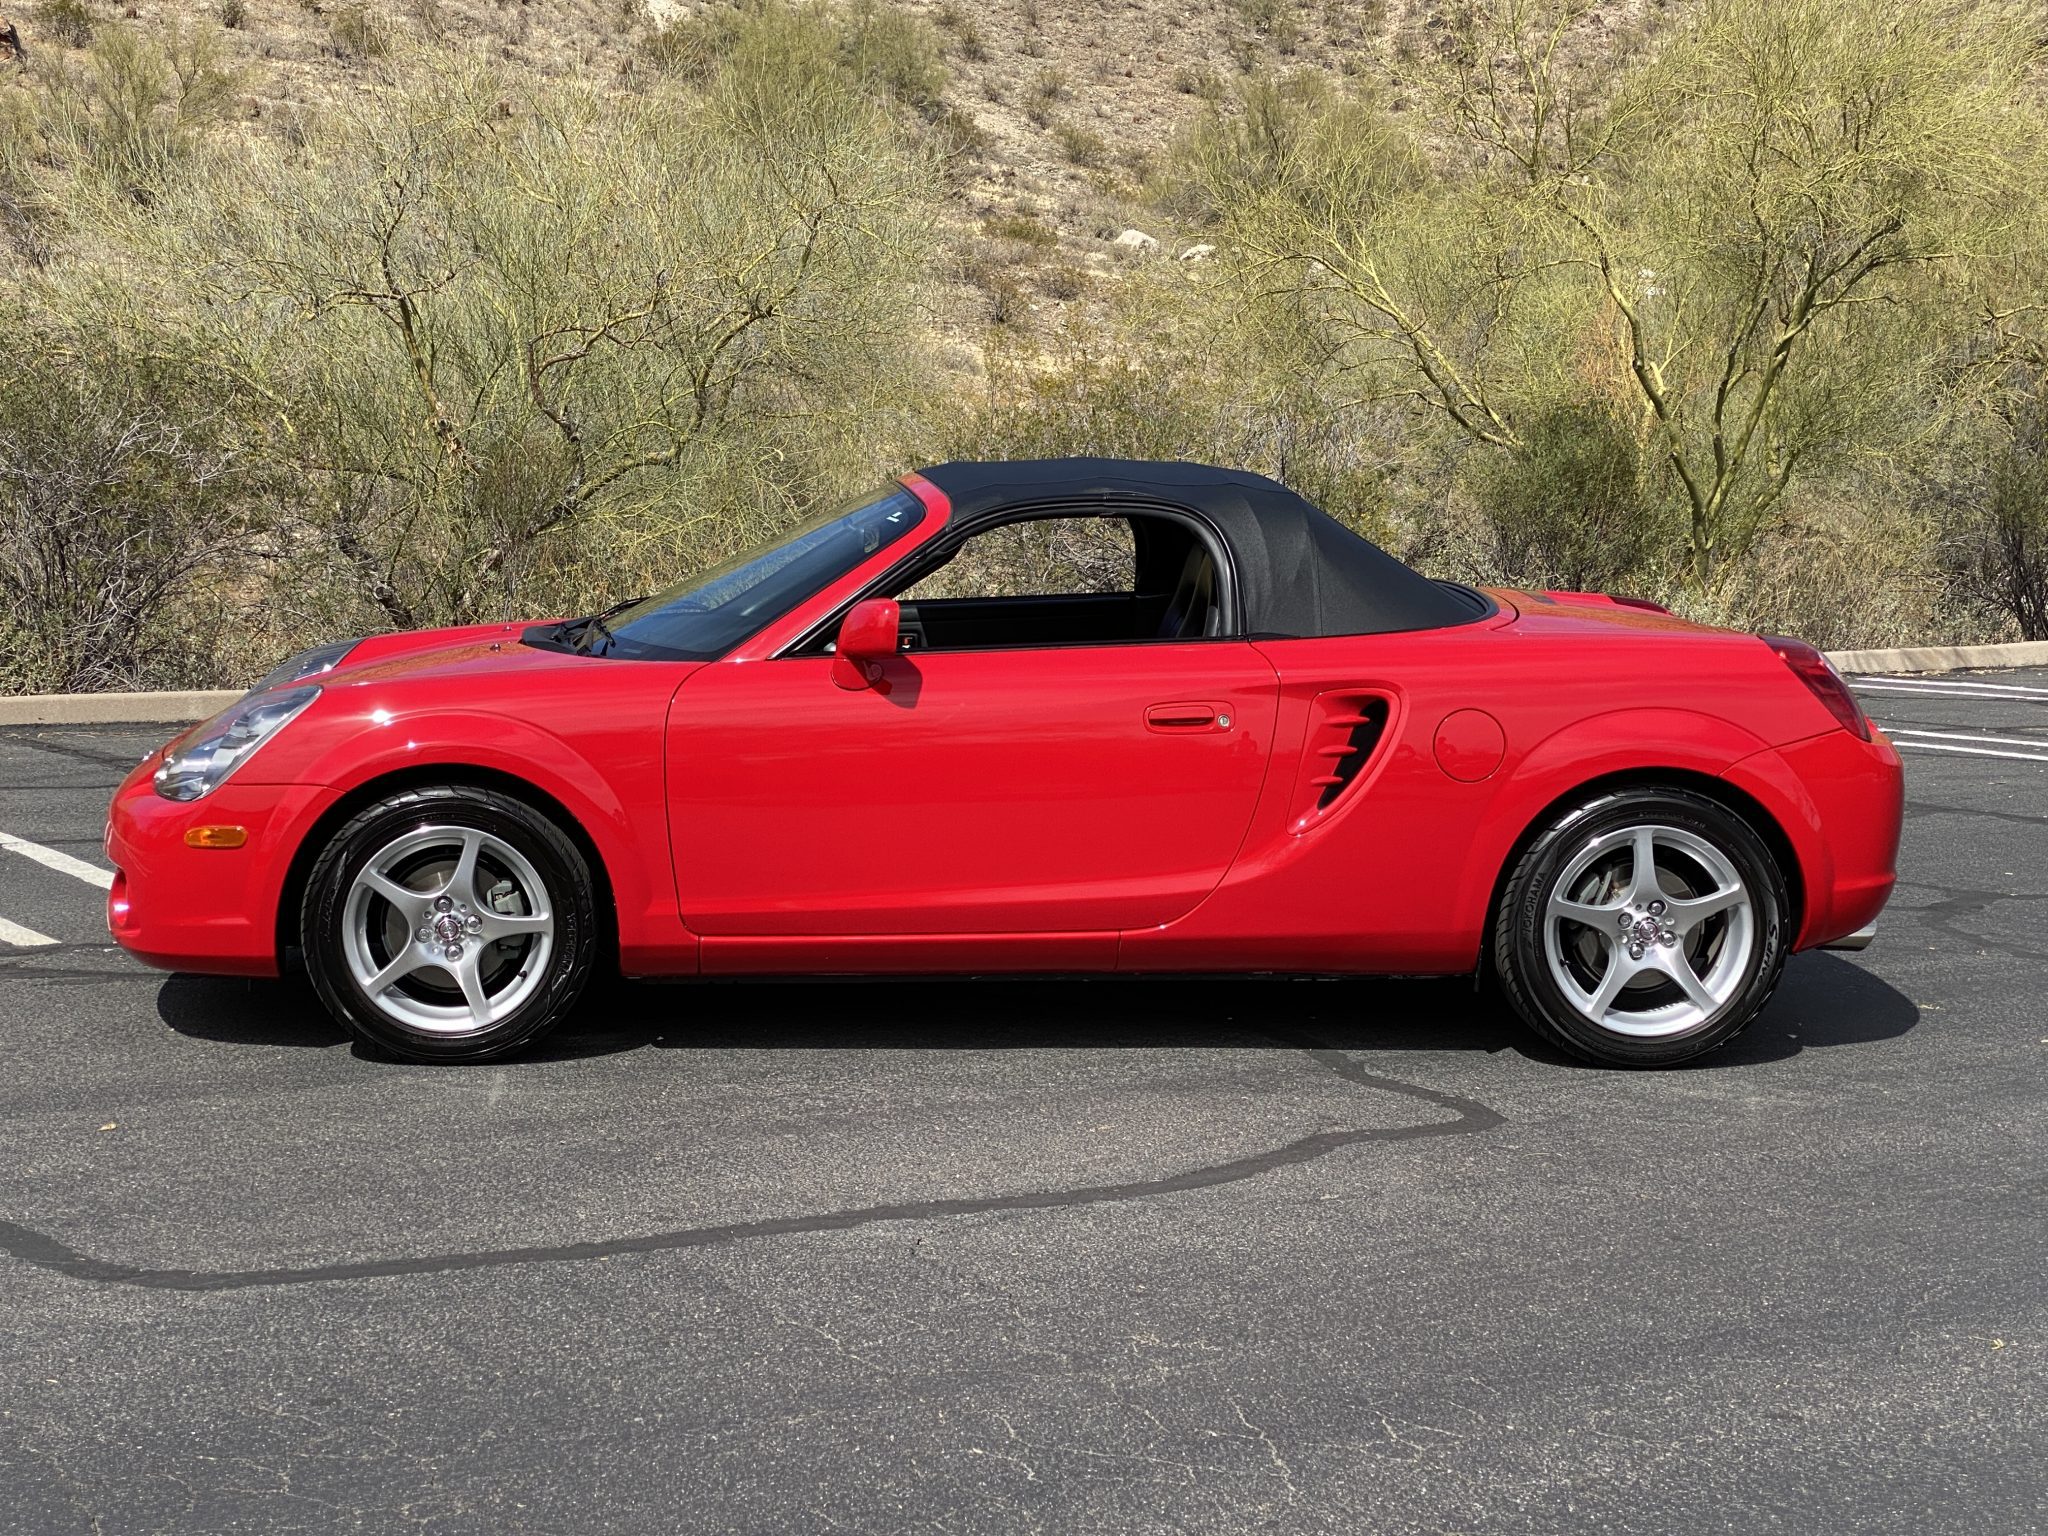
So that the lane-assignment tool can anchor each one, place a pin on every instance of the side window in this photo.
(1081, 579)
(1043, 557)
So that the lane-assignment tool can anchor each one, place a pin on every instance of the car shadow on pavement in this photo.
(1822, 1001)
(237, 1011)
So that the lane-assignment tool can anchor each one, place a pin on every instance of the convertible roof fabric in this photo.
(1299, 571)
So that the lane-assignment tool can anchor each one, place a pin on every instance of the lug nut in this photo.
(1635, 951)
(475, 923)
(425, 933)
(442, 903)
(1621, 921)
(1656, 909)
(1668, 938)
(452, 952)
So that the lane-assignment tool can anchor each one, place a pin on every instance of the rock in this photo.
(1198, 253)
(1136, 241)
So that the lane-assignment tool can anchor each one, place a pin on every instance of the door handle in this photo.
(1185, 717)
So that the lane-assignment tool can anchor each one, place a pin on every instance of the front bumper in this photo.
(211, 910)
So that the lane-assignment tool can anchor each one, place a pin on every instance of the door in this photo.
(1080, 788)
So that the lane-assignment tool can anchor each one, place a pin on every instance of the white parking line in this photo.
(1951, 682)
(1939, 746)
(22, 938)
(1996, 741)
(1951, 693)
(63, 863)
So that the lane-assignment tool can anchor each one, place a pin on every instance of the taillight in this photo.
(1822, 681)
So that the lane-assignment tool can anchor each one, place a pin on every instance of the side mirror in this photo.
(867, 638)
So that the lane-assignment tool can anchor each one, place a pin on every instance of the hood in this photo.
(466, 648)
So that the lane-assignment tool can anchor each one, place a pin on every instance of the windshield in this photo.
(702, 618)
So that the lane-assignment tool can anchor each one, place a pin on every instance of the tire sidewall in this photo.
(562, 869)
(1530, 899)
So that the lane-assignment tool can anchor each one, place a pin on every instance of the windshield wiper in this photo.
(581, 634)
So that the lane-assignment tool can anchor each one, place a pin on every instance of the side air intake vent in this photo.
(1344, 732)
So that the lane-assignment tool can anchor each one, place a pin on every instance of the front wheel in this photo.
(1642, 928)
(449, 924)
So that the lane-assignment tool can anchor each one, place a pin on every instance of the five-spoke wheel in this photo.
(1642, 927)
(449, 924)
(447, 929)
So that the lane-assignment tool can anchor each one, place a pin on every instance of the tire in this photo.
(1702, 949)
(449, 924)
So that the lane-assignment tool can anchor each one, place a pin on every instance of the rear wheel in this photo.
(1643, 928)
(449, 924)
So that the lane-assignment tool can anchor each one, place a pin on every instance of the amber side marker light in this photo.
(216, 837)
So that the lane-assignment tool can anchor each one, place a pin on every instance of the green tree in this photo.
(484, 317)
(121, 479)
(1740, 226)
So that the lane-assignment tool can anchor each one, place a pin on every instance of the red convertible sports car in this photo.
(1073, 716)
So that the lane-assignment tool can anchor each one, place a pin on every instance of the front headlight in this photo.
(198, 762)
(296, 669)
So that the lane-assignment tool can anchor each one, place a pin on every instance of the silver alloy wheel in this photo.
(1649, 931)
(447, 930)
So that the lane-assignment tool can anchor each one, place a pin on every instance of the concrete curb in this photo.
(114, 708)
(1943, 658)
(177, 708)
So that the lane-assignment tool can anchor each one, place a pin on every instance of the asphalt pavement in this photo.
(1119, 1257)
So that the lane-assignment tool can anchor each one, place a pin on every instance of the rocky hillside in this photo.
(1058, 110)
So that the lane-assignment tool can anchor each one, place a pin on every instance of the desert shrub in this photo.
(690, 46)
(1063, 281)
(359, 31)
(956, 139)
(1152, 392)
(890, 55)
(517, 362)
(895, 54)
(1291, 141)
(1846, 566)
(1997, 527)
(25, 211)
(139, 105)
(430, 18)
(1752, 233)
(1277, 22)
(120, 484)
(233, 14)
(1571, 505)
(1047, 89)
(1082, 146)
(1020, 225)
(70, 22)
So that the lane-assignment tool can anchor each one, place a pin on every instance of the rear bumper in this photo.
(1860, 939)
(1840, 802)
(209, 910)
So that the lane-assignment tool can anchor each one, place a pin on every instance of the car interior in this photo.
(1068, 580)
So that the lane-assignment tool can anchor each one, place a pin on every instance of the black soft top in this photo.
(1299, 571)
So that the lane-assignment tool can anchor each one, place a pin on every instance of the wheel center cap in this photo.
(1646, 930)
(448, 928)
